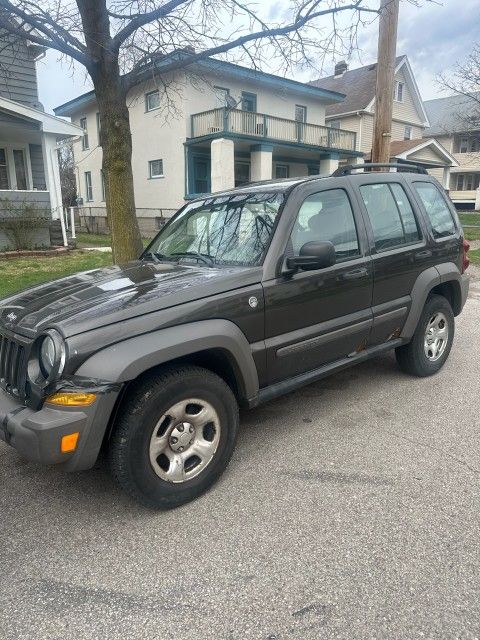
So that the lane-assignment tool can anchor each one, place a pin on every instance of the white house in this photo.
(227, 125)
(409, 117)
(28, 136)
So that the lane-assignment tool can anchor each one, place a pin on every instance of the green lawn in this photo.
(85, 240)
(474, 256)
(19, 273)
(470, 219)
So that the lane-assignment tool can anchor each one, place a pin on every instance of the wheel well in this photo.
(452, 292)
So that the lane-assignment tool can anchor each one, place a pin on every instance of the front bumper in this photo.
(37, 435)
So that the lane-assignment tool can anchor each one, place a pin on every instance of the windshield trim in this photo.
(261, 261)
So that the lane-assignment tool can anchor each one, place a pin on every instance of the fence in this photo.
(94, 219)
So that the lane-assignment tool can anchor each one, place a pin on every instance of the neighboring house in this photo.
(409, 118)
(230, 125)
(455, 122)
(28, 137)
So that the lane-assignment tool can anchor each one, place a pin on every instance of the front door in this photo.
(316, 317)
(201, 174)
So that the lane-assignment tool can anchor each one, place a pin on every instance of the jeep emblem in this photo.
(253, 302)
(11, 316)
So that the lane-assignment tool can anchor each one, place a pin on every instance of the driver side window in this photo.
(327, 216)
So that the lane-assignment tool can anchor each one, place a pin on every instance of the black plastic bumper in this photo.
(37, 435)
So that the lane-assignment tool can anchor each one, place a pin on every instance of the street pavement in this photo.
(351, 509)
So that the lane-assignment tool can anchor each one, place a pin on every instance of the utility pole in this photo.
(387, 45)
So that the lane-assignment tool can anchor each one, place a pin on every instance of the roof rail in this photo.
(347, 169)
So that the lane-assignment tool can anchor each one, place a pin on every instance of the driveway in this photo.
(351, 509)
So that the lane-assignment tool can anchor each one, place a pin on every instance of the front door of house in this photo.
(201, 175)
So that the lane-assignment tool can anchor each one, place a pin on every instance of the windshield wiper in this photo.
(204, 257)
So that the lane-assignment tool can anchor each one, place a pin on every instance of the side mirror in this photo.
(313, 255)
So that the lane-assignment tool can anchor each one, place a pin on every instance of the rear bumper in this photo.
(36, 435)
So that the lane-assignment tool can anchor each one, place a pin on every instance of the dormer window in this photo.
(398, 91)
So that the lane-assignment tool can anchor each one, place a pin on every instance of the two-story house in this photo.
(29, 137)
(455, 123)
(409, 118)
(220, 125)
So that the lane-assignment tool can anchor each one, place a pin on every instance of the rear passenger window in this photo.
(323, 216)
(391, 215)
(437, 209)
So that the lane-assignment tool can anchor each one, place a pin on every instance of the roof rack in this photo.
(348, 168)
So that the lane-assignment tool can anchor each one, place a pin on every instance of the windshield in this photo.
(223, 230)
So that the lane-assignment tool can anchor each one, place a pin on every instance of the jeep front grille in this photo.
(13, 366)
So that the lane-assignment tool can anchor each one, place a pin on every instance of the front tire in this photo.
(432, 341)
(174, 436)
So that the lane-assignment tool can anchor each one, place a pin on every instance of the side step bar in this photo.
(285, 386)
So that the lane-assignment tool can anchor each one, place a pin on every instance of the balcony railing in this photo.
(260, 125)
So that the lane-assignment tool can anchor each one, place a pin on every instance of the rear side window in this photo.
(327, 215)
(437, 209)
(391, 215)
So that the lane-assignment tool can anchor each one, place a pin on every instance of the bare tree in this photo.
(464, 80)
(118, 40)
(66, 164)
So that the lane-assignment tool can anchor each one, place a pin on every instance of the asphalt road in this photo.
(351, 509)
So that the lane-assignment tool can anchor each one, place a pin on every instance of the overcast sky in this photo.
(434, 36)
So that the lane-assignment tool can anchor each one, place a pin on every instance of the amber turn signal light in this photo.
(65, 399)
(69, 442)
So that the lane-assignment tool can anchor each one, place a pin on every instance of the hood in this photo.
(92, 299)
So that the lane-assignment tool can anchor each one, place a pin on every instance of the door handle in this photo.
(355, 274)
(423, 254)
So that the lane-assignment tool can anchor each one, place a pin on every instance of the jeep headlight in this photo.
(48, 358)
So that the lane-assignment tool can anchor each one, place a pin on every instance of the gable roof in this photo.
(402, 149)
(359, 87)
(447, 115)
(220, 67)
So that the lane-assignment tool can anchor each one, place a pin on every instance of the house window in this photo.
(300, 113)
(4, 183)
(102, 182)
(334, 124)
(88, 186)
(20, 169)
(468, 181)
(221, 94)
(407, 132)
(155, 169)
(152, 100)
(242, 173)
(282, 171)
(99, 127)
(249, 101)
(463, 145)
(83, 125)
(398, 91)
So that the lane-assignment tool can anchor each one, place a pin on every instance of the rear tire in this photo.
(174, 436)
(432, 341)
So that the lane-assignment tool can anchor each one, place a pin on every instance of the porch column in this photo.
(223, 165)
(356, 160)
(261, 162)
(52, 173)
(446, 178)
(477, 199)
(329, 163)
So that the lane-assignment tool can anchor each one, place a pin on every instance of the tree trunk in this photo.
(115, 137)
(116, 141)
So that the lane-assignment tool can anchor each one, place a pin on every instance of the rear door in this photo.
(316, 317)
(399, 248)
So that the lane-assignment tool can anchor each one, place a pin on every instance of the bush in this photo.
(20, 222)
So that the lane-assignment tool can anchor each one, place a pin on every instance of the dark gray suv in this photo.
(242, 296)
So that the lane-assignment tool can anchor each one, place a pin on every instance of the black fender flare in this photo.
(425, 282)
(126, 360)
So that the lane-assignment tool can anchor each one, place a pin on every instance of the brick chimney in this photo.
(340, 68)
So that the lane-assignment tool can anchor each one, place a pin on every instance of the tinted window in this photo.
(390, 214)
(438, 212)
(327, 216)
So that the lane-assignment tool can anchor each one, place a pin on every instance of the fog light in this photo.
(65, 399)
(69, 442)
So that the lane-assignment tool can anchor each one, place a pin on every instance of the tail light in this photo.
(465, 260)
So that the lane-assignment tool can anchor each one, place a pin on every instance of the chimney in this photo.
(340, 68)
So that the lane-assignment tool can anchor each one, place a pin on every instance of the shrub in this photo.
(19, 221)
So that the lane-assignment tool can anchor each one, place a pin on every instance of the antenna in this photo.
(231, 102)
